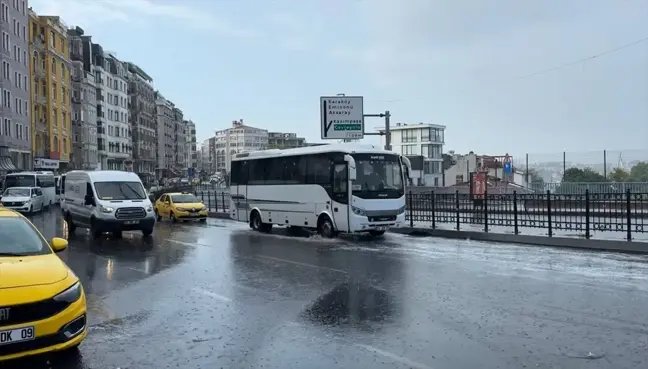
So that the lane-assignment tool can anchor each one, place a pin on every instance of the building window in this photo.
(408, 135)
(6, 45)
(408, 150)
(52, 39)
(5, 12)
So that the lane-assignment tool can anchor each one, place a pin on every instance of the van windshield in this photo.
(120, 190)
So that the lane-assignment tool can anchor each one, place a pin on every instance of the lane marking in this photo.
(397, 358)
(211, 294)
(299, 263)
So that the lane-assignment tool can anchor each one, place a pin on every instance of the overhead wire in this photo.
(559, 66)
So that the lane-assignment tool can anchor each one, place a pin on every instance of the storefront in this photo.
(49, 165)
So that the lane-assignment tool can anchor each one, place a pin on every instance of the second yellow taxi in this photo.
(179, 206)
(42, 303)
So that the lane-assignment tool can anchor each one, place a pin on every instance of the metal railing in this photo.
(584, 213)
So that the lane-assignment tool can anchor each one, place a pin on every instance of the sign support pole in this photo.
(387, 132)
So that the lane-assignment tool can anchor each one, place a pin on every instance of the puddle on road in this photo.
(350, 304)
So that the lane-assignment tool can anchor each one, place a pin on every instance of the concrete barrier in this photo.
(567, 242)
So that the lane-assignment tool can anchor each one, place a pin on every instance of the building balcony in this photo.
(41, 125)
(39, 72)
(38, 42)
(76, 54)
(40, 100)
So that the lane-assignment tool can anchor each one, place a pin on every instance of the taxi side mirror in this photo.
(59, 244)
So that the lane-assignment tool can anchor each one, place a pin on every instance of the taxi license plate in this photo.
(131, 222)
(16, 335)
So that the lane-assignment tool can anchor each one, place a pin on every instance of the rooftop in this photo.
(406, 126)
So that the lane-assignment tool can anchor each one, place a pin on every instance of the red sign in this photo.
(479, 184)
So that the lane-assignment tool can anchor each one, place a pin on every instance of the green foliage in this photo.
(639, 172)
(582, 175)
(619, 175)
(534, 178)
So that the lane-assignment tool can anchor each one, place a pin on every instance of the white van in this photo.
(106, 201)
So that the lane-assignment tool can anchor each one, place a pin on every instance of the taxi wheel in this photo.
(158, 216)
(173, 217)
(203, 220)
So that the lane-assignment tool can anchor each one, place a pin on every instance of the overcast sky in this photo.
(460, 63)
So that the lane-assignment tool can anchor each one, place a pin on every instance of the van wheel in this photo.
(117, 234)
(96, 233)
(147, 232)
(70, 224)
(325, 227)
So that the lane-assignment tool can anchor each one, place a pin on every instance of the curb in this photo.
(564, 242)
(218, 215)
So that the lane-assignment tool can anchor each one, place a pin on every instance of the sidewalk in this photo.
(528, 231)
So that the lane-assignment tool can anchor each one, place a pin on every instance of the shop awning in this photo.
(6, 164)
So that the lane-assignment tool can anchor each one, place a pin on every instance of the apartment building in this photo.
(165, 136)
(114, 135)
(15, 111)
(179, 141)
(51, 80)
(238, 138)
(280, 140)
(84, 102)
(141, 95)
(208, 155)
(191, 155)
(421, 139)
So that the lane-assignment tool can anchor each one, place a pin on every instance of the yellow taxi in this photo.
(179, 206)
(42, 303)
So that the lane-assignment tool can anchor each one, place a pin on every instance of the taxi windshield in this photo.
(184, 199)
(20, 238)
(17, 192)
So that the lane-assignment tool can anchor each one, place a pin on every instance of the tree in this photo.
(534, 177)
(639, 172)
(582, 175)
(619, 175)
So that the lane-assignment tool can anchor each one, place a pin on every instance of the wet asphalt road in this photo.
(220, 296)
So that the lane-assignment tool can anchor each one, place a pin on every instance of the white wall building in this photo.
(165, 134)
(113, 130)
(239, 138)
(422, 139)
(191, 156)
